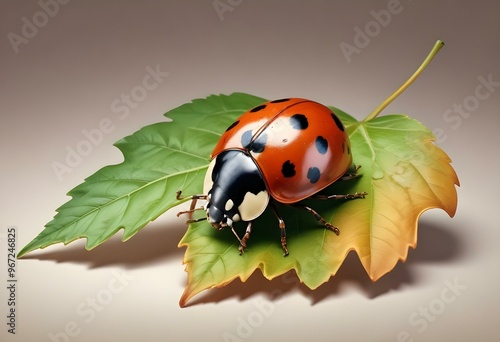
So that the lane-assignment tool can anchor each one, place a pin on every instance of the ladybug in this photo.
(281, 151)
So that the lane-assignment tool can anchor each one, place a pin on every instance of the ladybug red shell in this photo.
(280, 151)
(300, 146)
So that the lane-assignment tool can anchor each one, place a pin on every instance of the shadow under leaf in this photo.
(435, 245)
(157, 243)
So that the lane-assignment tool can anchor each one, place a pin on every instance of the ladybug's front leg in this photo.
(243, 241)
(192, 197)
(192, 208)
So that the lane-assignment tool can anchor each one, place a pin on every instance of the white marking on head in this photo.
(229, 205)
(253, 205)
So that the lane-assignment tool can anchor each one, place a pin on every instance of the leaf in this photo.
(402, 170)
(158, 160)
(404, 174)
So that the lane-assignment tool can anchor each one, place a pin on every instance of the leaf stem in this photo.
(439, 44)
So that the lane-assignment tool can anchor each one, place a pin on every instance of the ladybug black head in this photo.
(235, 189)
(217, 218)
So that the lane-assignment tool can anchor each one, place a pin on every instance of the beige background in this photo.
(66, 76)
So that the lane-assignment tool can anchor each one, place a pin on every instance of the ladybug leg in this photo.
(193, 197)
(346, 196)
(328, 197)
(192, 208)
(318, 217)
(351, 173)
(282, 229)
(243, 241)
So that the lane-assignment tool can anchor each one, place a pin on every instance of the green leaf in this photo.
(404, 174)
(158, 160)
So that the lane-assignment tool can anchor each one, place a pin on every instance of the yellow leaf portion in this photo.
(405, 174)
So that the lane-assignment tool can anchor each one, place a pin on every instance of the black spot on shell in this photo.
(280, 100)
(299, 121)
(256, 109)
(246, 138)
(313, 174)
(288, 169)
(233, 125)
(321, 144)
(338, 122)
(259, 144)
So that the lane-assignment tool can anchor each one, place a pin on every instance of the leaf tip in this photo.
(183, 300)
(30, 247)
(22, 253)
